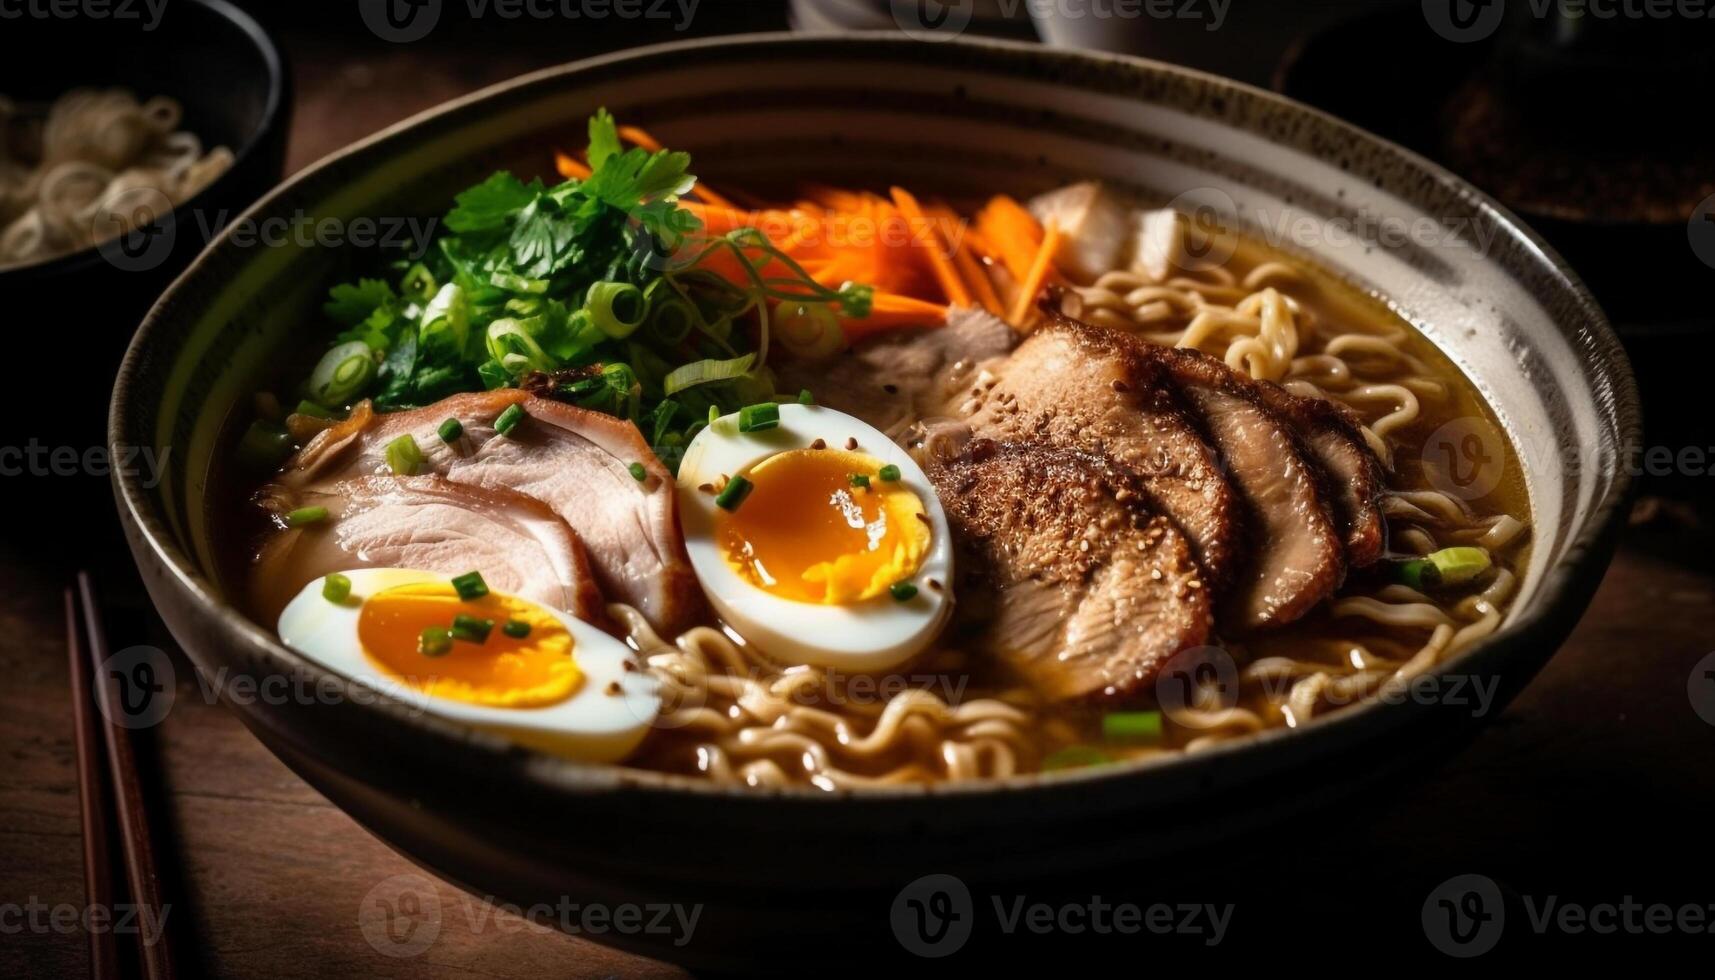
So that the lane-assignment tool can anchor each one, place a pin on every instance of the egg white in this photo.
(591, 725)
(872, 635)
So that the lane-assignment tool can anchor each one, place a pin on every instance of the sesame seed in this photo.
(819, 444)
(851, 443)
(613, 688)
(707, 488)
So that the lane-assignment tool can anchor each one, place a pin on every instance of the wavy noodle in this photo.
(93, 165)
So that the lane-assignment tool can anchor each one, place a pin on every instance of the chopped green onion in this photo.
(890, 473)
(859, 480)
(419, 283)
(470, 586)
(705, 372)
(509, 419)
(639, 472)
(403, 456)
(336, 588)
(1131, 725)
(805, 398)
(671, 320)
(451, 430)
(1449, 566)
(342, 373)
(305, 516)
(264, 446)
(902, 591)
(734, 493)
(714, 415)
(435, 641)
(471, 629)
(809, 331)
(1075, 757)
(616, 308)
(518, 629)
(310, 408)
(756, 418)
(518, 284)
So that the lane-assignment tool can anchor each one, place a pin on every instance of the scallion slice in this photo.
(450, 431)
(404, 456)
(733, 494)
(902, 591)
(264, 446)
(639, 472)
(470, 586)
(805, 398)
(756, 418)
(305, 516)
(1122, 726)
(336, 588)
(616, 308)
(860, 480)
(342, 373)
(509, 419)
(518, 629)
(472, 629)
(1449, 566)
(890, 473)
(313, 410)
(435, 641)
(1075, 757)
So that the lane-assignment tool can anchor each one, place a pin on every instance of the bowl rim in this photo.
(1585, 557)
(273, 111)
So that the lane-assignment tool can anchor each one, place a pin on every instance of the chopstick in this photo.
(93, 801)
(129, 806)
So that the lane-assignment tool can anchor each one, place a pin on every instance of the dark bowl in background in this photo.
(71, 317)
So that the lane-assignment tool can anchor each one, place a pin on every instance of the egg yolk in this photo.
(503, 671)
(807, 533)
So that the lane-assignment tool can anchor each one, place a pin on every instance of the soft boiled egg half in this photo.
(816, 538)
(496, 662)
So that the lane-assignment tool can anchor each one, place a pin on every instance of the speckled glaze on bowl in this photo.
(793, 866)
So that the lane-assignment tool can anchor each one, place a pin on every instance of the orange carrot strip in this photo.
(1012, 232)
(632, 134)
(570, 167)
(891, 311)
(967, 258)
(939, 262)
(1034, 280)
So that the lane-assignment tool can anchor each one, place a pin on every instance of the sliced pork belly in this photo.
(899, 377)
(1065, 571)
(1296, 556)
(431, 524)
(1354, 476)
(1071, 384)
(577, 462)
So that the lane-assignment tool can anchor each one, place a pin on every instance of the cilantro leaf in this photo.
(488, 205)
(542, 239)
(626, 180)
(352, 304)
(604, 138)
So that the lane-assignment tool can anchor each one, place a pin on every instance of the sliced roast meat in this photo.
(1296, 556)
(1354, 475)
(1064, 570)
(1071, 384)
(899, 377)
(430, 524)
(575, 461)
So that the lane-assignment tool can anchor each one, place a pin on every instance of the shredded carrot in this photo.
(890, 311)
(570, 167)
(951, 284)
(967, 257)
(1037, 277)
(633, 134)
(1013, 234)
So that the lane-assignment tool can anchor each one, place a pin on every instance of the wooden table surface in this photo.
(273, 879)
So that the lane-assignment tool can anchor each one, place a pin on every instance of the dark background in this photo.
(1595, 785)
